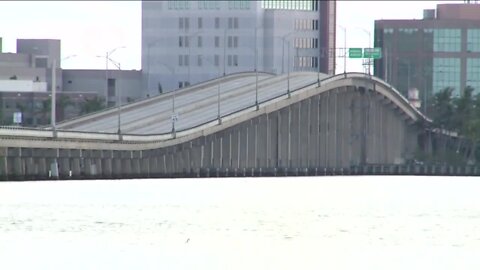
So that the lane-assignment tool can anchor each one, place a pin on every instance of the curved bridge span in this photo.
(322, 123)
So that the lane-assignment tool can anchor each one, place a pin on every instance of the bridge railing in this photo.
(11, 131)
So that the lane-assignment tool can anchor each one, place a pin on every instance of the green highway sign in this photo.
(354, 52)
(375, 53)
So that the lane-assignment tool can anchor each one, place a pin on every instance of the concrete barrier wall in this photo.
(335, 130)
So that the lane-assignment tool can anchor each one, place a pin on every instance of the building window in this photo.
(199, 42)
(199, 60)
(186, 60)
(229, 40)
(230, 23)
(473, 74)
(200, 23)
(229, 61)
(217, 42)
(187, 23)
(111, 87)
(217, 22)
(446, 73)
(180, 23)
(180, 84)
(180, 60)
(180, 41)
(235, 60)
(216, 60)
(235, 23)
(187, 41)
(235, 42)
(473, 40)
(447, 40)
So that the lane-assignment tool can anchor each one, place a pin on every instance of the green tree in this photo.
(92, 105)
(62, 103)
(442, 109)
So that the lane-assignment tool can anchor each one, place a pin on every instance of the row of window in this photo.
(184, 41)
(184, 60)
(438, 40)
(184, 23)
(305, 43)
(239, 4)
(305, 62)
(206, 5)
(290, 4)
(308, 5)
(305, 24)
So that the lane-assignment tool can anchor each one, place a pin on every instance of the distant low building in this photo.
(26, 85)
(124, 83)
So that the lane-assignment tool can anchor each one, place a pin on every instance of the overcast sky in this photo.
(91, 28)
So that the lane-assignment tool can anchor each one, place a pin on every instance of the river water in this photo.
(240, 223)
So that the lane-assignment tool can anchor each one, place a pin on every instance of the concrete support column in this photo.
(64, 167)
(107, 167)
(136, 167)
(18, 168)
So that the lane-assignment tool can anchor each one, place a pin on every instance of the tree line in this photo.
(459, 114)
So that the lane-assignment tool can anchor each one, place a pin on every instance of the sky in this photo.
(88, 29)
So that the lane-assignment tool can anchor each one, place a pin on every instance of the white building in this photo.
(186, 42)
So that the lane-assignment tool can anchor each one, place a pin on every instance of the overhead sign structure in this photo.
(375, 53)
(355, 52)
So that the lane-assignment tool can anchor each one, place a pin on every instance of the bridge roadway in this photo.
(194, 105)
(335, 123)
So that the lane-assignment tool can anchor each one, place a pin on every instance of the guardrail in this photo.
(39, 133)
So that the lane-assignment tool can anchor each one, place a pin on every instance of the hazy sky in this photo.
(91, 28)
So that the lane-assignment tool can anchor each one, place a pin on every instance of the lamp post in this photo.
(119, 94)
(54, 93)
(148, 61)
(369, 44)
(218, 93)
(173, 117)
(344, 48)
(107, 58)
(189, 54)
(224, 48)
(288, 59)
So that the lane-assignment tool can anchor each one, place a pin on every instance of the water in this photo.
(282, 223)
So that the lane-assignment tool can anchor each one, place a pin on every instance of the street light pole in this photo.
(189, 54)
(224, 49)
(54, 94)
(288, 68)
(344, 48)
(256, 71)
(369, 45)
(119, 102)
(107, 58)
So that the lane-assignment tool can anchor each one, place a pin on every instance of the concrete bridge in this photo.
(265, 125)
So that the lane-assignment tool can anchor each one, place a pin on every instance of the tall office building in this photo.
(186, 42)
(441, 50)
